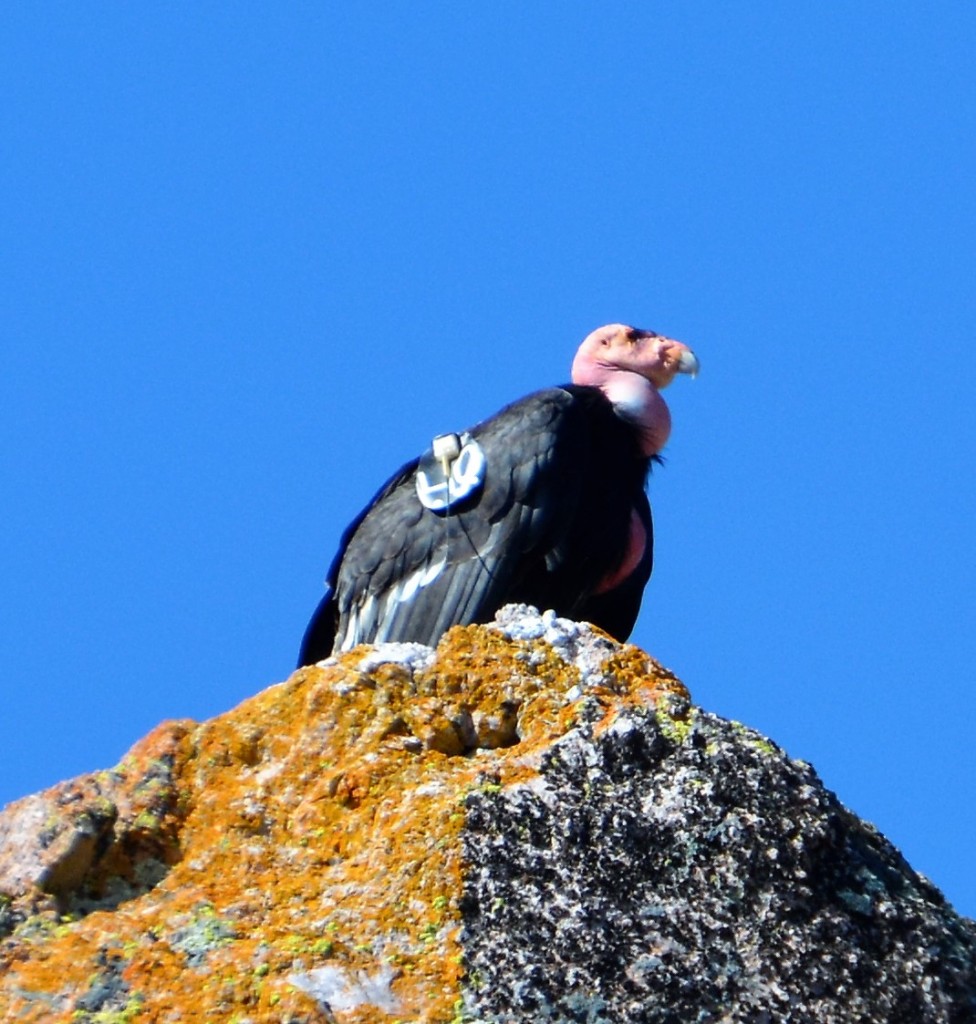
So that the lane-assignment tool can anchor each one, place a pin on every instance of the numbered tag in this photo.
(450, 472)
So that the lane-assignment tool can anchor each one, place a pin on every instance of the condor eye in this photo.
(635, 335)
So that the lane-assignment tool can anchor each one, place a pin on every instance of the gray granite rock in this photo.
(683, 869)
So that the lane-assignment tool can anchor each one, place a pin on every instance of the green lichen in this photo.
(674, 728)
(755, 740)
(39, 928)
(123, 1015)
(102, 807)
(206, 932)
(146, 821)
(461, 1015)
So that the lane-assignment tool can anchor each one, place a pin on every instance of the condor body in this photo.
(552, 511)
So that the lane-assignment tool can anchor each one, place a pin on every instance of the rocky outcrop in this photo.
(532, 823)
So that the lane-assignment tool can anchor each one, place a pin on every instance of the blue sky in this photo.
(255, 257)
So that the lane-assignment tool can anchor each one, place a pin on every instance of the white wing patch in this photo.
(366, 609)
(352, 628)
(417, 581)
(375, 616)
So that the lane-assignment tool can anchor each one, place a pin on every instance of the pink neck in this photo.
(634, 398)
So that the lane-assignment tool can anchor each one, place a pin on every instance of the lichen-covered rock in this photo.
(530, 824)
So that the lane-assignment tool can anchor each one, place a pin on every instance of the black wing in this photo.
(563, 473)
(319, 638)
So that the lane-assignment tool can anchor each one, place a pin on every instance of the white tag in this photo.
(445, 478)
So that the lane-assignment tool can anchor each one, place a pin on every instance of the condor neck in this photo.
(636, 400)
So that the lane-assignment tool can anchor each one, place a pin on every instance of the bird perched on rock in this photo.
(543, 504)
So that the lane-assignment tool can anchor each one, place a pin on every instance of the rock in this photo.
(532, 823)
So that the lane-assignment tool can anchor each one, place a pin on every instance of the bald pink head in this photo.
(631, 366)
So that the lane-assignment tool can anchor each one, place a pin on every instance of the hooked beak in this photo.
(688, 363)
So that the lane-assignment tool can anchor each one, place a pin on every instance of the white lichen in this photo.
(414, 657)
(338, 989)
(575, 643)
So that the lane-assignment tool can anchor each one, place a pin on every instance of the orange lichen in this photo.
(315, 826)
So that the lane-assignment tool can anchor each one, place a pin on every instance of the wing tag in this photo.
(451, 471)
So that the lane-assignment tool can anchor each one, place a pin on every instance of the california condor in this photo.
(544, 504)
